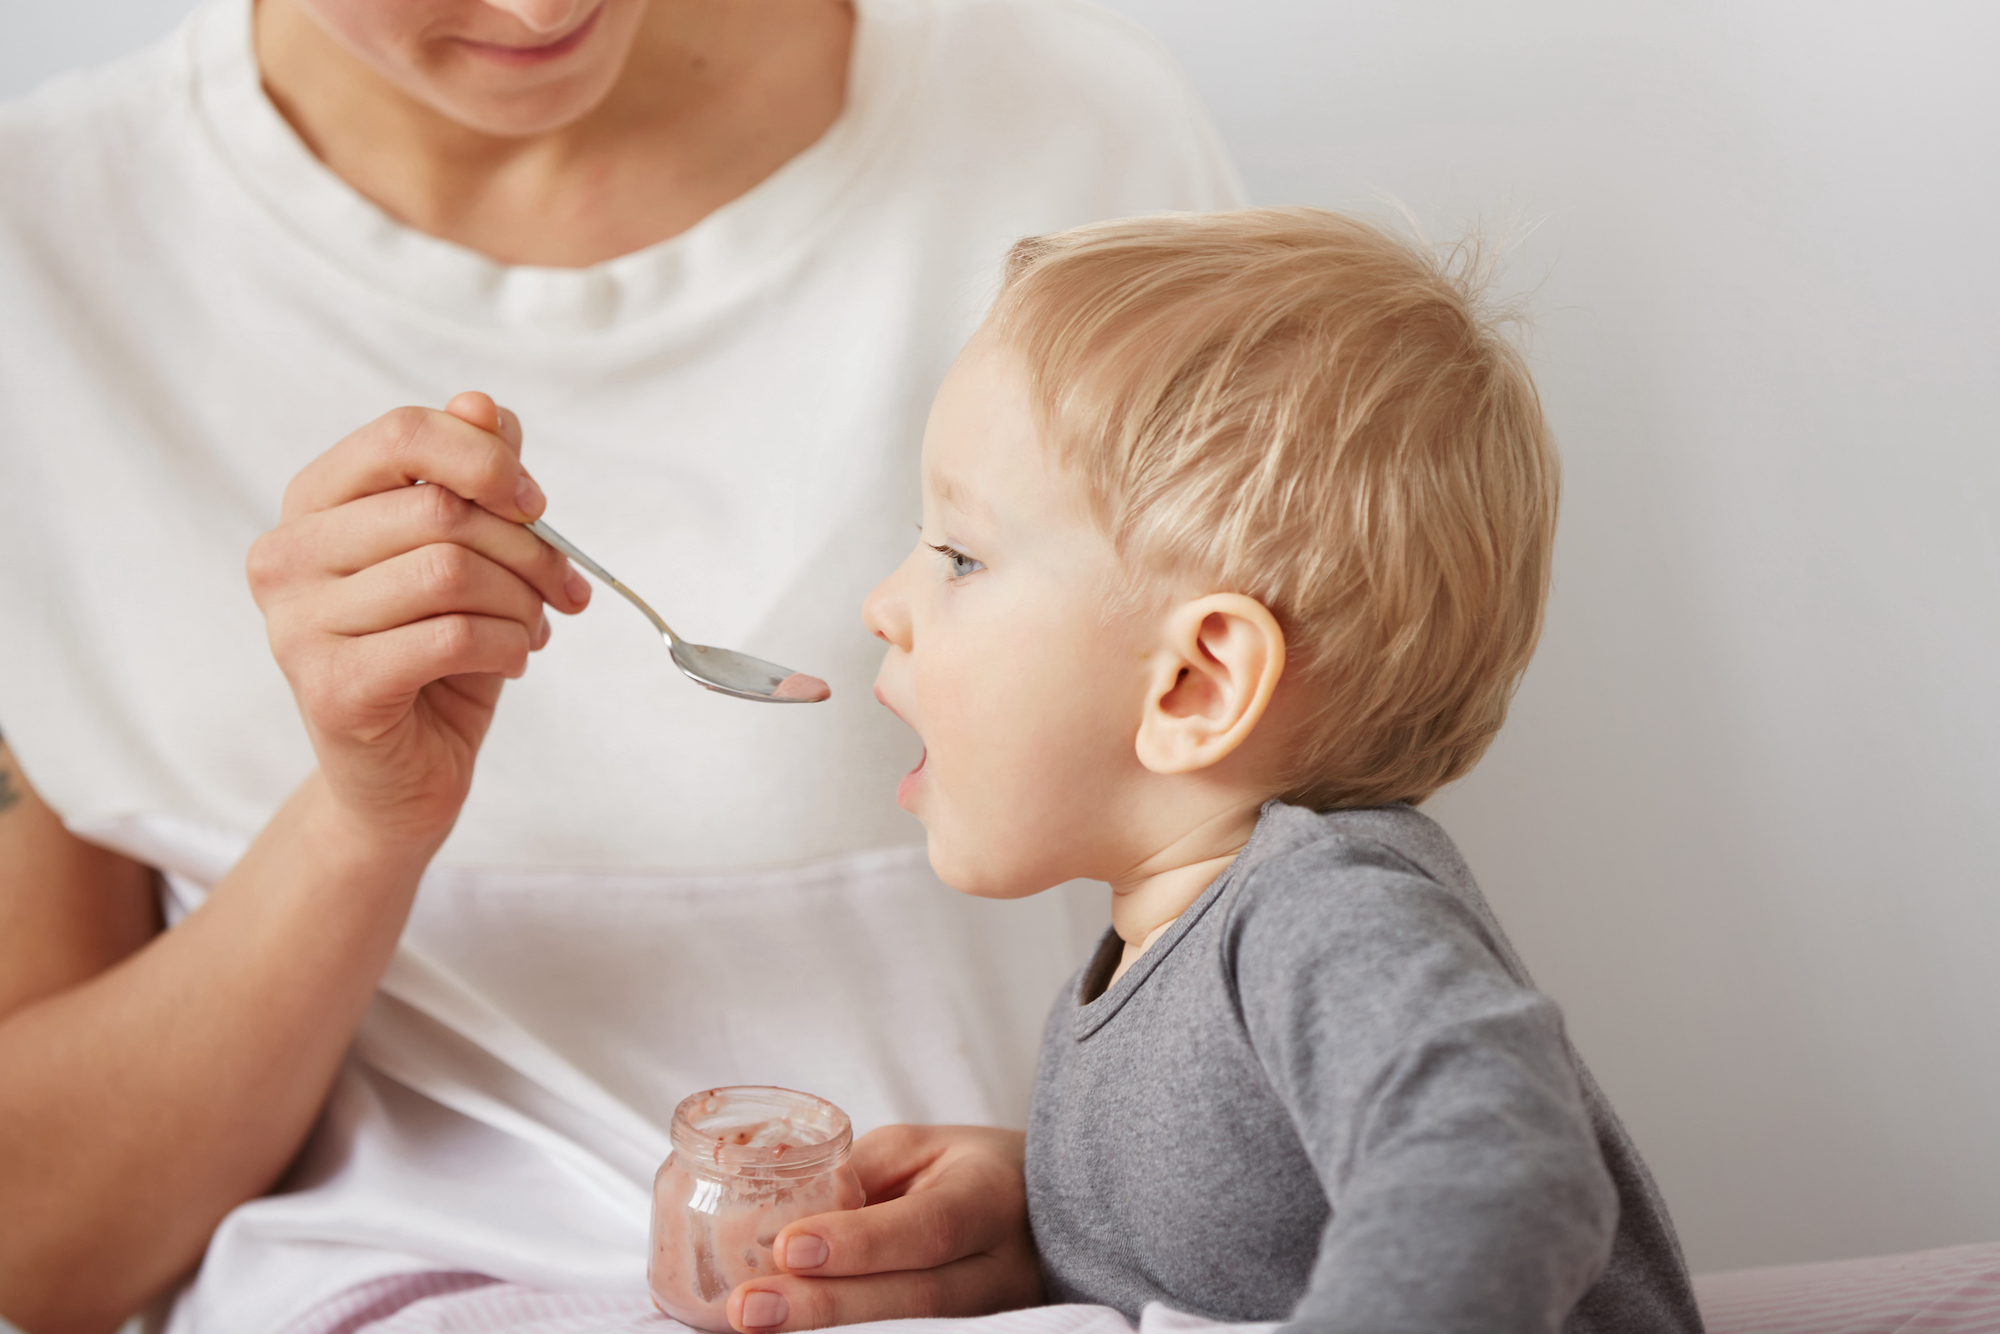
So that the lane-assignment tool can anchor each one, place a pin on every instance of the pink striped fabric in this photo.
(503, 1308)
(370, 1302)
(439, 1303)
(459, 1303)
(1953, 1291)
(449, 1304)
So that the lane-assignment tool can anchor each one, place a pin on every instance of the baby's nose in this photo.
(886, 614)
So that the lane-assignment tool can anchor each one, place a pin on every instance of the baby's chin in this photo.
(987, 876)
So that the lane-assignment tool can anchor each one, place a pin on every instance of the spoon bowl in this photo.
(732, 673)
(722, 670)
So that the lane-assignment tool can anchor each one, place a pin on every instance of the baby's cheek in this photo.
(984, 813)
(1011, 752)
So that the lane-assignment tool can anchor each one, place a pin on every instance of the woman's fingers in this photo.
(377, 528)
(487, 415)
(411, 445)
(439, 580)
(369, 683)
(396, 609)
(976, 1285)
(479, 409)
(359, 651)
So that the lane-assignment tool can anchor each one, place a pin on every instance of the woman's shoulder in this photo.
(1066, 37)
(83, 104)
(90, 129)
(1023, 73)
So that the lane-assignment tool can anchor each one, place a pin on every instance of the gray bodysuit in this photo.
(1330, 1094)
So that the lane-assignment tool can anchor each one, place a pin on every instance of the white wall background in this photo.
(1746, 821)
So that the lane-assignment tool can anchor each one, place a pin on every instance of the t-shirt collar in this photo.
(710, 264)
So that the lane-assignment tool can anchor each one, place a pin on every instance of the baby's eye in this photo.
(961, 564)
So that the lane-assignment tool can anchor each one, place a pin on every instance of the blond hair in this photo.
(1302, 407)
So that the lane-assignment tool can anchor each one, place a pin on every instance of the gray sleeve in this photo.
(1435, 1098)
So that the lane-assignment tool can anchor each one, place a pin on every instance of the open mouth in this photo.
(906, 789)
(528, 55)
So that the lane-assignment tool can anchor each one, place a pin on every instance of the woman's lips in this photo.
(531, 55)
(906, 790)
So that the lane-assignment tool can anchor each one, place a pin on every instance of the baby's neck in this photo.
(1153, 895)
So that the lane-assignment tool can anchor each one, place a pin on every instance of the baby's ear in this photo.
(1210, 681)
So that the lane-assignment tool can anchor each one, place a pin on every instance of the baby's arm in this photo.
(1434, 1095)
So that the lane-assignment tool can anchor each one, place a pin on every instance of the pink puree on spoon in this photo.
(799, 686)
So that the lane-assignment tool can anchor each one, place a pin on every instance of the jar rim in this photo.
(816, 1138)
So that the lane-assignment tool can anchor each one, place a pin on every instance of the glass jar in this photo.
(746, 1162)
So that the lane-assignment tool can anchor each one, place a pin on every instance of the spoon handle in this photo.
(568, 548)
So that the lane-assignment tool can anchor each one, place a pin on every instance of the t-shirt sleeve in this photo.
(1434, 1095)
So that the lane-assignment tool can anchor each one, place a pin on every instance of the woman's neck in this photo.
(714, 96)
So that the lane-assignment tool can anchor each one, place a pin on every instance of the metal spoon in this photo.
(722, 670)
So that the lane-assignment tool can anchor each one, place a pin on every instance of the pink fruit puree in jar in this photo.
(746, 1162)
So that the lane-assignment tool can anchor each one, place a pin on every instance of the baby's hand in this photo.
(945, 1233)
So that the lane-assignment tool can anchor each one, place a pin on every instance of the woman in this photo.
(715, 255)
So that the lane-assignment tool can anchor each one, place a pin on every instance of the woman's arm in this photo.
(68, 910)
(149, 1089)
(151, 1081)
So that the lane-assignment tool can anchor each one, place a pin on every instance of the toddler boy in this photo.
(1236, 537)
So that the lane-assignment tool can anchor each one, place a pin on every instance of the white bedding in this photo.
(452, 1303)
(1950, 1291)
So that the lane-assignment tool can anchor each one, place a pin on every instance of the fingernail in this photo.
(576, 585)
(761, 1310)
(803, 1252)
(542, 634)
(528, 497)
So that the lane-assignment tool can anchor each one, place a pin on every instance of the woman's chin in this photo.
(517, 115)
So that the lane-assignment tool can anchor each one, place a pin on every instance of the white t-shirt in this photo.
(652, 889)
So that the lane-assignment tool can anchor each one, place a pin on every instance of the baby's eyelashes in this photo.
(960, 563)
